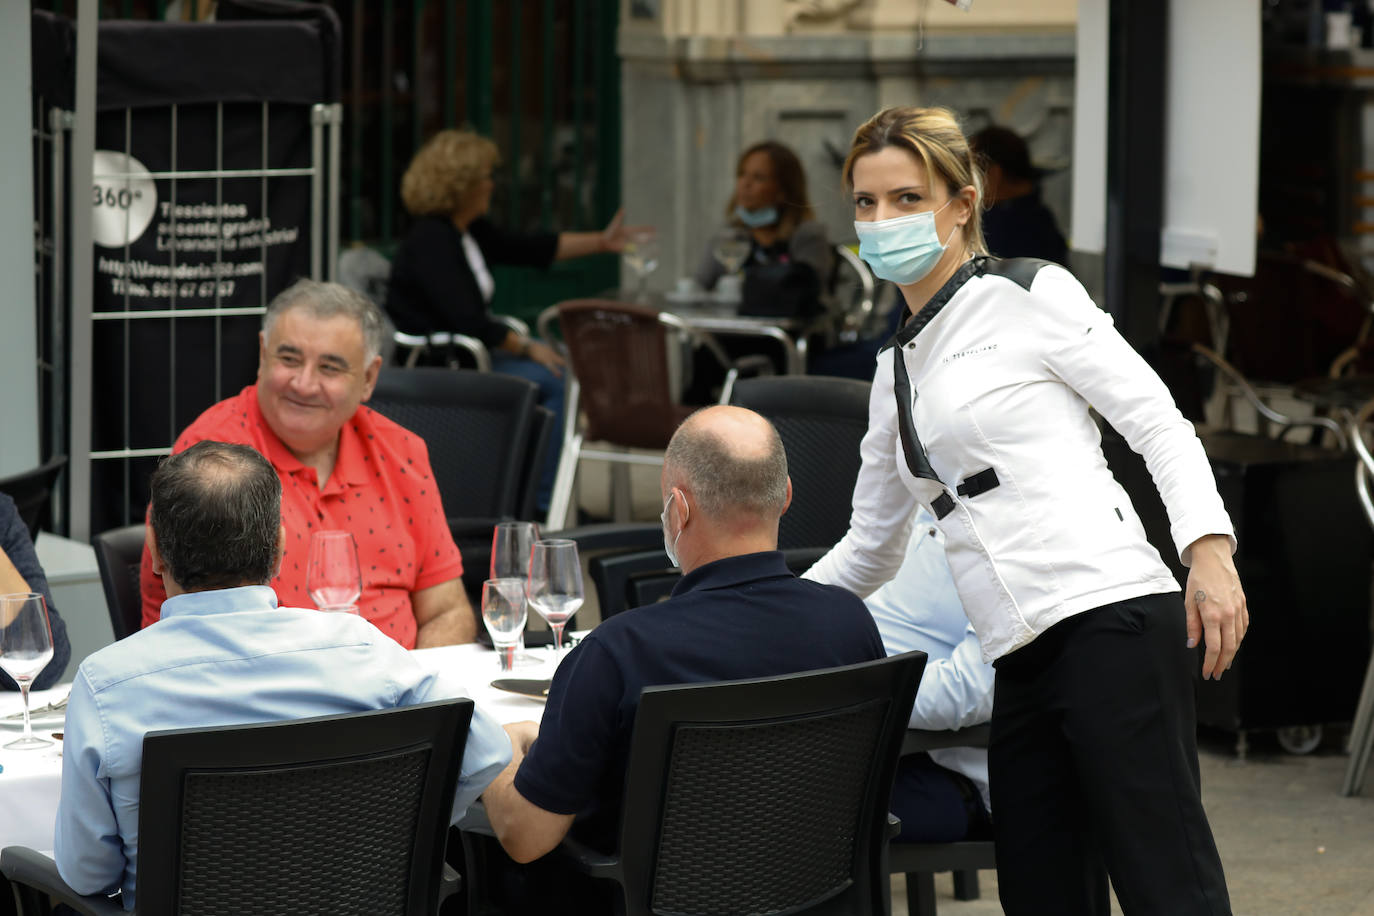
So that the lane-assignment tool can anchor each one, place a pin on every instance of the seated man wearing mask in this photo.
(223, 653)
(737, 613)
(342, 466)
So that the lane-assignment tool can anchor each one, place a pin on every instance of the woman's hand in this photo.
(546, 356)
(1215, 604)
(617, 235)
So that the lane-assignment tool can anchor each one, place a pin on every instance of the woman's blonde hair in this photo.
(445, 170)
(933, 136)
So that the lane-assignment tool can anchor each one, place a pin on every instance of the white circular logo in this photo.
(123, 199)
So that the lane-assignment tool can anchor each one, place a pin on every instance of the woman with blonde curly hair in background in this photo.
(441, 278)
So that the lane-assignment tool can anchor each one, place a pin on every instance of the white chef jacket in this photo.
(979, 412)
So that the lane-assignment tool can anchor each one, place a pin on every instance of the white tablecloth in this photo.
(32, 780)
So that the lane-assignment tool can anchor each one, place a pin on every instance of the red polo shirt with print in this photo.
(381, 489)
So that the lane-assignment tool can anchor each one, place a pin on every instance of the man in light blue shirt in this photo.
(223, 653)
(934, 794)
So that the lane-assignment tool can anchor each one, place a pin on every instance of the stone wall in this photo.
(702, 80)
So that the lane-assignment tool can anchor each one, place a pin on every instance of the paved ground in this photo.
(1290, 844)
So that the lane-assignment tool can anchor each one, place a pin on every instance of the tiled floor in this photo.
(1290, 844)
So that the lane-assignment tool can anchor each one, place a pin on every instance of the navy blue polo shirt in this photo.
(741, 617)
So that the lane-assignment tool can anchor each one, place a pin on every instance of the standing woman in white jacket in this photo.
(980, 413)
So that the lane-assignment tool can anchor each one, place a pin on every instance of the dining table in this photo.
(31, 780)
(720, 315)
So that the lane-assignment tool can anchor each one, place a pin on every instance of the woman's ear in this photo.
(968, 198)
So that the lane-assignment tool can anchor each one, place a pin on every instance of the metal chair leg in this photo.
(1361, 737)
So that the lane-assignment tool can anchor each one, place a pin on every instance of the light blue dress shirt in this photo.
(919, 609)
(224, 657)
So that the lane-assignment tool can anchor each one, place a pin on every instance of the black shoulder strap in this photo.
(1020, 271)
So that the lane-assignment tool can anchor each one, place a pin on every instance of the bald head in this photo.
(732, 461)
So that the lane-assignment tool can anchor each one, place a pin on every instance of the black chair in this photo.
(761, 796)
(339, 814)
(821, 422)
(32, 493)
(920, 862)
(480, 431)
(119, 555)
(541, 434)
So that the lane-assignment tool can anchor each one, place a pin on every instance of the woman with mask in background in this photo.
(770, 208)
(980, 413)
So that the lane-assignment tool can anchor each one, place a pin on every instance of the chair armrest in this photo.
(919, 739)
(450, 883)
(475, 348)
(515, 324)
(894, 825)
(28, 868)
(588, 860)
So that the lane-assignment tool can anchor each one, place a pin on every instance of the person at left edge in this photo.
(342, 466)
(20, 572)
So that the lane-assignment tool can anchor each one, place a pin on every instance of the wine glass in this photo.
(332, 576)
(641, 256)
(503, 611)
(555, 583)
(25, 650)
(731, 249)
(511, 543)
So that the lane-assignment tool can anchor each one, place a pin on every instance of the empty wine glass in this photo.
(555, 584)
(731, 249)
(332, 576)
(503, 611)
(641, 256)
(511, 543)
(25, 650)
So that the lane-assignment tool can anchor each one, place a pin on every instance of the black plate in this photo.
(538, 688)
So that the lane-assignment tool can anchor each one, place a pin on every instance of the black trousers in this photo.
(1094, 772)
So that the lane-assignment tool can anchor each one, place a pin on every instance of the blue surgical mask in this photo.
(754, 219)
(670, 548)
(903, 249)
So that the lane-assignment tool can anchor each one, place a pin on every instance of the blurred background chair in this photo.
(119, 556)
(342, 814)
(821, 422)
(32, 492)
(485, 436)
(759, 796)
(625, 377)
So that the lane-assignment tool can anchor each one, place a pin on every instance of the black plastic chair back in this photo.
(32, 493)
(119, 556)
(477, 426)
(338, 814)
(541, 433)
(765, 796)
(821, 422)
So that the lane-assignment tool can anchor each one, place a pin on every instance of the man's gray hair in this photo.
(724, 481)
(325, 300)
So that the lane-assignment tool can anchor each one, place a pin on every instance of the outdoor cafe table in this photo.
(31, 782)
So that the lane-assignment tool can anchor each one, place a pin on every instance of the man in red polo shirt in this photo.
(342, 467)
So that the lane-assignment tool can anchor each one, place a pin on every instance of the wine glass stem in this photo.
(28, 727)
(557, 636)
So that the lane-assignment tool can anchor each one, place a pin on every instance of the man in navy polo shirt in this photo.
(737, 613)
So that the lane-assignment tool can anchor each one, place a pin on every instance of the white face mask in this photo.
(669, 548)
